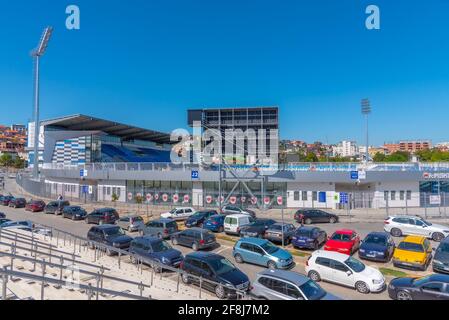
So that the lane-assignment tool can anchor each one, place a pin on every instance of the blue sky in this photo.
(144, 62)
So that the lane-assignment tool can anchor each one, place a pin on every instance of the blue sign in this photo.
(195, 175)
(322, 197)
(85, 189)
(344, 198)
(82, 173)
(354, 175)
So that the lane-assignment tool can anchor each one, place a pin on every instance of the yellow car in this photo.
(414, 252)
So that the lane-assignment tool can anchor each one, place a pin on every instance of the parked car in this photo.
(155, 249)
(218, 273)
(26, 226)
(2, 215)
(199, 218)
(414, 252)
(344, 270)
(287, 285)
(399, 226)
(74, 213)
(195, 238)
(377, 246)
(102, 216)
(130, 223)
(441, 257)
(215, 223)
(161, 228)
(4, 200)
(179, 213)
(35, 206)
(262, 252)
(56, 207)
(17, 203)
(309, 238)
(343, 241)
(110, 235)
(276, 231)
(257, 228)
(433, 287)
(234, 222)
(3, 220)
(228, 209)
(315, 216)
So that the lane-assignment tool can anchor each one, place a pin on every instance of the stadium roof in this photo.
(81, 122)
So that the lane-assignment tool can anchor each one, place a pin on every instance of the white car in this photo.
(344, 270)
(179, 213)
(399, 226)
(234, 222)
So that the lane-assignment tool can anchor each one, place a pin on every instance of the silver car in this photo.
(287, 285)
(130, 223)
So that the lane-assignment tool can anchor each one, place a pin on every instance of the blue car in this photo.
(377, 246)
(262, 252)
(215, 223)
(309, 238)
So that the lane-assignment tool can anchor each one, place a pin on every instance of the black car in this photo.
(2, 215)
(110, 235)
(56, 207)
(18, 203)
(155, 249)
(219, 274)
(315, 216)
(74, 213)
(441, 257)
(257, 228)
(198, 219)
(195, 238)
(102, 216)
(4, 200)
(433, 287)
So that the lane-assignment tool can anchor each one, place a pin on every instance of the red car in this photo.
(343, 241)
(35, 206)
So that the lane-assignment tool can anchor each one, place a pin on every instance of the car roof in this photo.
(414, 239)
(147, 239)
(331, 255)
(218, 216)
(291, 276)
(439, 278)
(198, 230)
(237, 215)
(307, 228)
(445, 240)
(379, 234)
(204, 255)
(106, 226)
(345, 231)
(256, 241)
(406, 216)
(163, 220)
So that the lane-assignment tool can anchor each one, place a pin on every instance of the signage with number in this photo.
(344, 198)
(354, 175)
(195, 175)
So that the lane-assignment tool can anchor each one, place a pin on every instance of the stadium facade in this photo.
(90, 158)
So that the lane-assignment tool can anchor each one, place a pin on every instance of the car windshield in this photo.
(216, 218)
(410, 246)
(261, 222)
(160, 246)
(137, 219)
(278, 227)
(76, 208)
(173, 211)
(312, 290)
(443, 248)
(304, 233)
(375, 239)
(171, 224)
(426, 222)
(199, 215)
(269, 248)
(341, 237)
(222, 266)
(355, 264)
(114, 232)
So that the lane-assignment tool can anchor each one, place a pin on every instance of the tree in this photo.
(6, 160)
(398, 156)
(311, 157)
(379, 157)
(19, 163)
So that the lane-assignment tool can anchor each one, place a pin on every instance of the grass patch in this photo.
(392, 272)
(226, 238)
(298, 253)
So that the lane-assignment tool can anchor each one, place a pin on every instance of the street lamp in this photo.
(36, 54)
(366, 111)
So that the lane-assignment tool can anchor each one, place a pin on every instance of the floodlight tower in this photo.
(36, 54)
(366, 111)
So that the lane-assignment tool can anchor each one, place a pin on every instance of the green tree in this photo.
(6, 160)
(398, 156)
(19, 163)
(311, 157)
(379, 157)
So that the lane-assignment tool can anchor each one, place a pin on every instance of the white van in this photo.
(233, 222)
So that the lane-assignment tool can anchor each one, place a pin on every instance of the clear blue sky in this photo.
(144, 62)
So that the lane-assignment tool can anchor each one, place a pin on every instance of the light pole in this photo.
(366, 111)
(36, 54)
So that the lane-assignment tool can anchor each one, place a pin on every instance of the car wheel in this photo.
(403, 295)
(195, 247)
(174, 241)
(437, 237)
(308, 221)
(238, 258)
(362, 287)
(133, 259)
(220, 292)
(86, 221)
(333, 220)
(272, 265)
(220, 230)
(185, 278)
(315, 276)
(395, 232)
